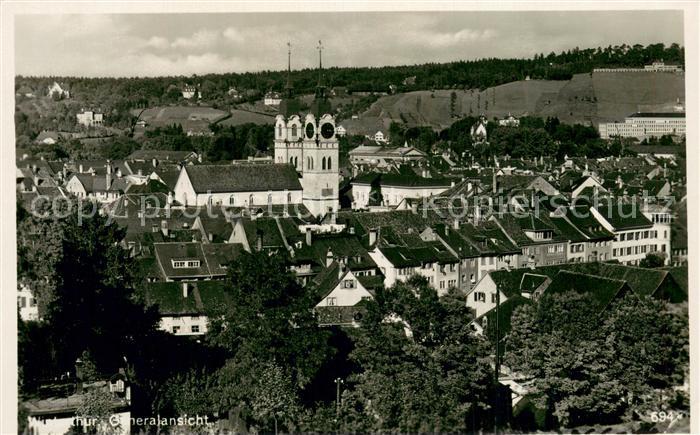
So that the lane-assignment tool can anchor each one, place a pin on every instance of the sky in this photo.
(128, 45)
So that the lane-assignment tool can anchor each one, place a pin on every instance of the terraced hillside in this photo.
(586, 98)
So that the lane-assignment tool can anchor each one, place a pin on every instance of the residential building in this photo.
(185, 308)
(194, 261)
(539, 239)
(635, 235)
(391, 189)
(189, 92)
(385, 156)
(89, 118)
(272, 99)
(343, 293)
(509, 121)
(26, 302)
(58, 91)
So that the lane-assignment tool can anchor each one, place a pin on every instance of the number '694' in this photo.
(661, 416)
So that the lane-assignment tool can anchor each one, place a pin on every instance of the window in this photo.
(294, 131)
(250, 199)
(442, 284)
(279, 130)
(472, 279)
(231, 200)
(323, 163)
(176, 329)
(22, 301)
(269, 198)
(32, 302)
(194, 263)
(289, 198)
(560, 248)
(493, 298)
(550, 249)
(331, 301)
(480, 297)
(349, 283)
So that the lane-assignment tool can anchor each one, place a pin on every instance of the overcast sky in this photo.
(185, 44)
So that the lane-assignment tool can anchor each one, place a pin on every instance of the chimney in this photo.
(169, 200)
(372, 236)
(308, 236)
(80, 168)
(185, 290)
(452, 183)
(455, 224)
(351, 230)
(211, 237)
(154, 162)
(164, 227)
(341, 270)
(329, 258)
(493, 182)
(447, 230)
(258, 240)
(108, 177)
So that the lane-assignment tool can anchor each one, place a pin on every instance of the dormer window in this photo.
(185, 264)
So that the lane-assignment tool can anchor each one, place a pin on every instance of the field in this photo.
(586, 98)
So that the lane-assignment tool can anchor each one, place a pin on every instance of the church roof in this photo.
(243, 178)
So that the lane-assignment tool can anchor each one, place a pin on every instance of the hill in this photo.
(586, 98)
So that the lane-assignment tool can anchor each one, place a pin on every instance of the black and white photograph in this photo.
(308, 217)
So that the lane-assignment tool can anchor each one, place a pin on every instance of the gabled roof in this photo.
(162, 155)
(202, 298)
(602, 290)
(624, 216)
(243, 178)
(211, 258)
(400, 180)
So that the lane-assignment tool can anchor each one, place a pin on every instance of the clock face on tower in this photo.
(310, 130)
(327, 130)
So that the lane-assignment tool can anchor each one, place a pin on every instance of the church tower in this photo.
(309, 142)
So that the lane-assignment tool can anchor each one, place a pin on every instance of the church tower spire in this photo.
(288, 86)
(320, 62)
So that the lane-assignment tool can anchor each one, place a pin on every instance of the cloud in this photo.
(200, 39)
(233, 34)
(157, 42)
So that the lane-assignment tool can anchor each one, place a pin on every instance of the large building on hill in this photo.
(308, 142)
(645, 125)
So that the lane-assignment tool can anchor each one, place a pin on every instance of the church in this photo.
(308, 142)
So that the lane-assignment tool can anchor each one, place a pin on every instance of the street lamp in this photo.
(337, 381)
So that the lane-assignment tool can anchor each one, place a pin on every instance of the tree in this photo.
(441, 373)
(594, 367)
(269, 318)
(653, 260)
(94, 412)
(93, 296)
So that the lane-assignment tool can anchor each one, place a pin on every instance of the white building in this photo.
(635, 234)
(241, 185)
(340, 131)
(188, 92)
(272, 99)
(56, 90)
(654, 67)
(89, 118)
(28, 308)
(509, 121)
(645, 125)
(379, 137)
(395, 188)
(378, 155)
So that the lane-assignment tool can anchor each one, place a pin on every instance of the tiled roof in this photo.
(202, 298)
(624, 216)
(401, 180)
(243, 178)
(211, 257)
(602, 290)
(161, 155)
